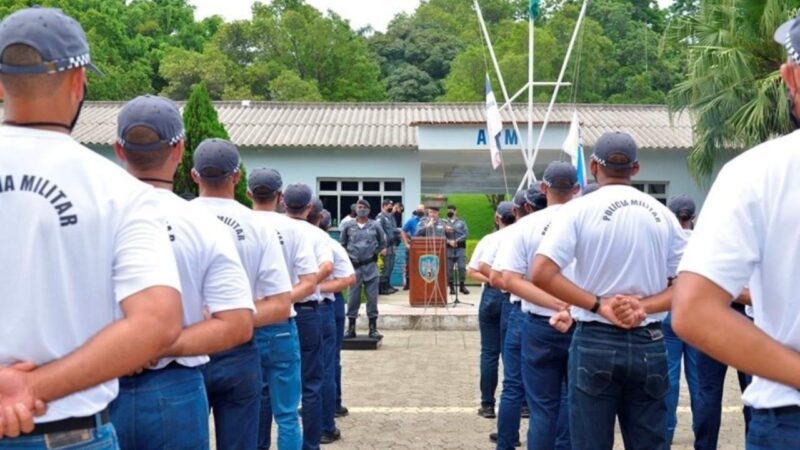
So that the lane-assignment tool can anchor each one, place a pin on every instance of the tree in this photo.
(201, 122)
(732, 88)
(289, 87)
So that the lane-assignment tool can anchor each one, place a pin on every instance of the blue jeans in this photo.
(618, 373)
(513, 394)
(708, 415)
(309, 328)
(103, 438)
(677, 350)
(774, 429)
(492, 330)
(151, 406)
(233, 384)
(279, 347)
(339, 314)
(545, 354)
(328, 367)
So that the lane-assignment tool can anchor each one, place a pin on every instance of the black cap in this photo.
(264, 182)
(216, 158)
(535, 197)
(387, 201)
(618, 144)
(560, 175)
(296, 197)
(364, 203)
(682, 206)
(57, 37)
(158, 114)
(788, 35)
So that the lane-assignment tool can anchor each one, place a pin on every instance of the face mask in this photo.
(362, 213)
(451, 214)
(80, 107)
(419, 213)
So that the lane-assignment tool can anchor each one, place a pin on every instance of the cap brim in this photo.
(782, 32)
(94, 69)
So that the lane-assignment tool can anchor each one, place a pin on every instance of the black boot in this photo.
(464, 289)
(351, 329)
(452, 290)
(373, 329)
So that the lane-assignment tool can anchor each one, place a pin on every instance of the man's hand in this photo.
(632, 314)
(18, 402)
(562, 321)
(451, 243)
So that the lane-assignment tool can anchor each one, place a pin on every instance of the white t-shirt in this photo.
(211, 273)
(257, 245)
(623, 241)
(77, 236)
(747, 234)
(342, 266)
(320, 241)
(297, 252)
(486, 250)
(518, 249)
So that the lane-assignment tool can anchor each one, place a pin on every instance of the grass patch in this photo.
(476, 211)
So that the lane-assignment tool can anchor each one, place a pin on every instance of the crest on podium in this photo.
(429, 268)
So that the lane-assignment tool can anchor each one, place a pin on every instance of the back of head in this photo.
(616, 154)
(215, 162)
(297, 198)
(683, 207)
(315, 214)
(560, 178)
(505, 212)
(264, 185)
(148, 129)
(325, 220)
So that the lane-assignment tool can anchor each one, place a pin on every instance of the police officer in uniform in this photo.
(364, 240)
(457, 251)
(432, 225)
(387, 222)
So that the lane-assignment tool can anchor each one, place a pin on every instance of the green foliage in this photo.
(289, 86)
(732, 87)
(476, 211)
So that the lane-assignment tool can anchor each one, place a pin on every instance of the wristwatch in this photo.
(596, 304)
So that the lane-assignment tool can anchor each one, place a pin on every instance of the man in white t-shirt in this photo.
(493, 313)
(150, 140)
(342, 277)
(279, 343)
(625, 246)
(233, 377)
(746, 236)
(545, 349)
(297, 201)
(79, 238)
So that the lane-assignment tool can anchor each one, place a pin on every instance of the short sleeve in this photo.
(342, 267)
(225, 285)
(143, 256)
(678, 240)
(726, 243)
(561, 239)
(322, 249)
(475, 260)
(305, 261)
(511, 254)
(273, 276)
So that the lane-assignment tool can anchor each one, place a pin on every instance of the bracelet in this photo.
(596, 304)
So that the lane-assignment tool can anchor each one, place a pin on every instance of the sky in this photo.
(360, 13)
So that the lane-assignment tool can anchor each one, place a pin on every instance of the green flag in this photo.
(534, 9)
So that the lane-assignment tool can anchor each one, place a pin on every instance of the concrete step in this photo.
(395, 313)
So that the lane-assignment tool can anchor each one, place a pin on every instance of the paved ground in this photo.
(420, 391)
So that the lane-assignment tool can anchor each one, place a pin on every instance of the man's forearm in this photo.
(222, 331)
(119, 349)
(660, 302)
(304, 288)
(273, 309)
(325, 270)
(335, 285)
(532, 294)
(560, 287)
(476, 275)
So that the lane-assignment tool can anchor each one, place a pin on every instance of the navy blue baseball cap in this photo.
(216, 158)
(316, 206)
(682, 204)
(505, 209)
(560, 175)
(57, 37)
(325, 219)
(615, 144)
(264, 182)
(519, 199)
(788, 35)
(535, 197)
(158, 114)
(365, 203)
(296, 197)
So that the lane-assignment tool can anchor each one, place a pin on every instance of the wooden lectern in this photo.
(427, 269)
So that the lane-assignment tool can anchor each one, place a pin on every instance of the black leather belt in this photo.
(310, 304)
(71, 424)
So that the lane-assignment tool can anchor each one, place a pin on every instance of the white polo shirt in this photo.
(747, 234)
(211, 272)
(486, 250)
(297, 252)
(257, 245)
(623, 241)
(518, 249)
(342, 266)
(77, 236)
(320, 241)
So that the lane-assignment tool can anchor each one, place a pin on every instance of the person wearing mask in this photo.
(364, 240)
(457, 252)
(81, 240)
(493, 313)
(397, 212)
(408, 231)
(386, 220)
(348, 218)
(626, 247)
(432, 225)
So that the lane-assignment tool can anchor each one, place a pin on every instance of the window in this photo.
(657, 189)
(338, 195)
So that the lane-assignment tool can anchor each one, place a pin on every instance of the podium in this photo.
(427, 272)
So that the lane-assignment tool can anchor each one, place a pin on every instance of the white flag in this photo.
(574, 148)
(494, 125)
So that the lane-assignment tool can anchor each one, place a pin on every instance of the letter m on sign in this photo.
(511, 137)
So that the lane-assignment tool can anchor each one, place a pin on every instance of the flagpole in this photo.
(499, 77)
(532, 161)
